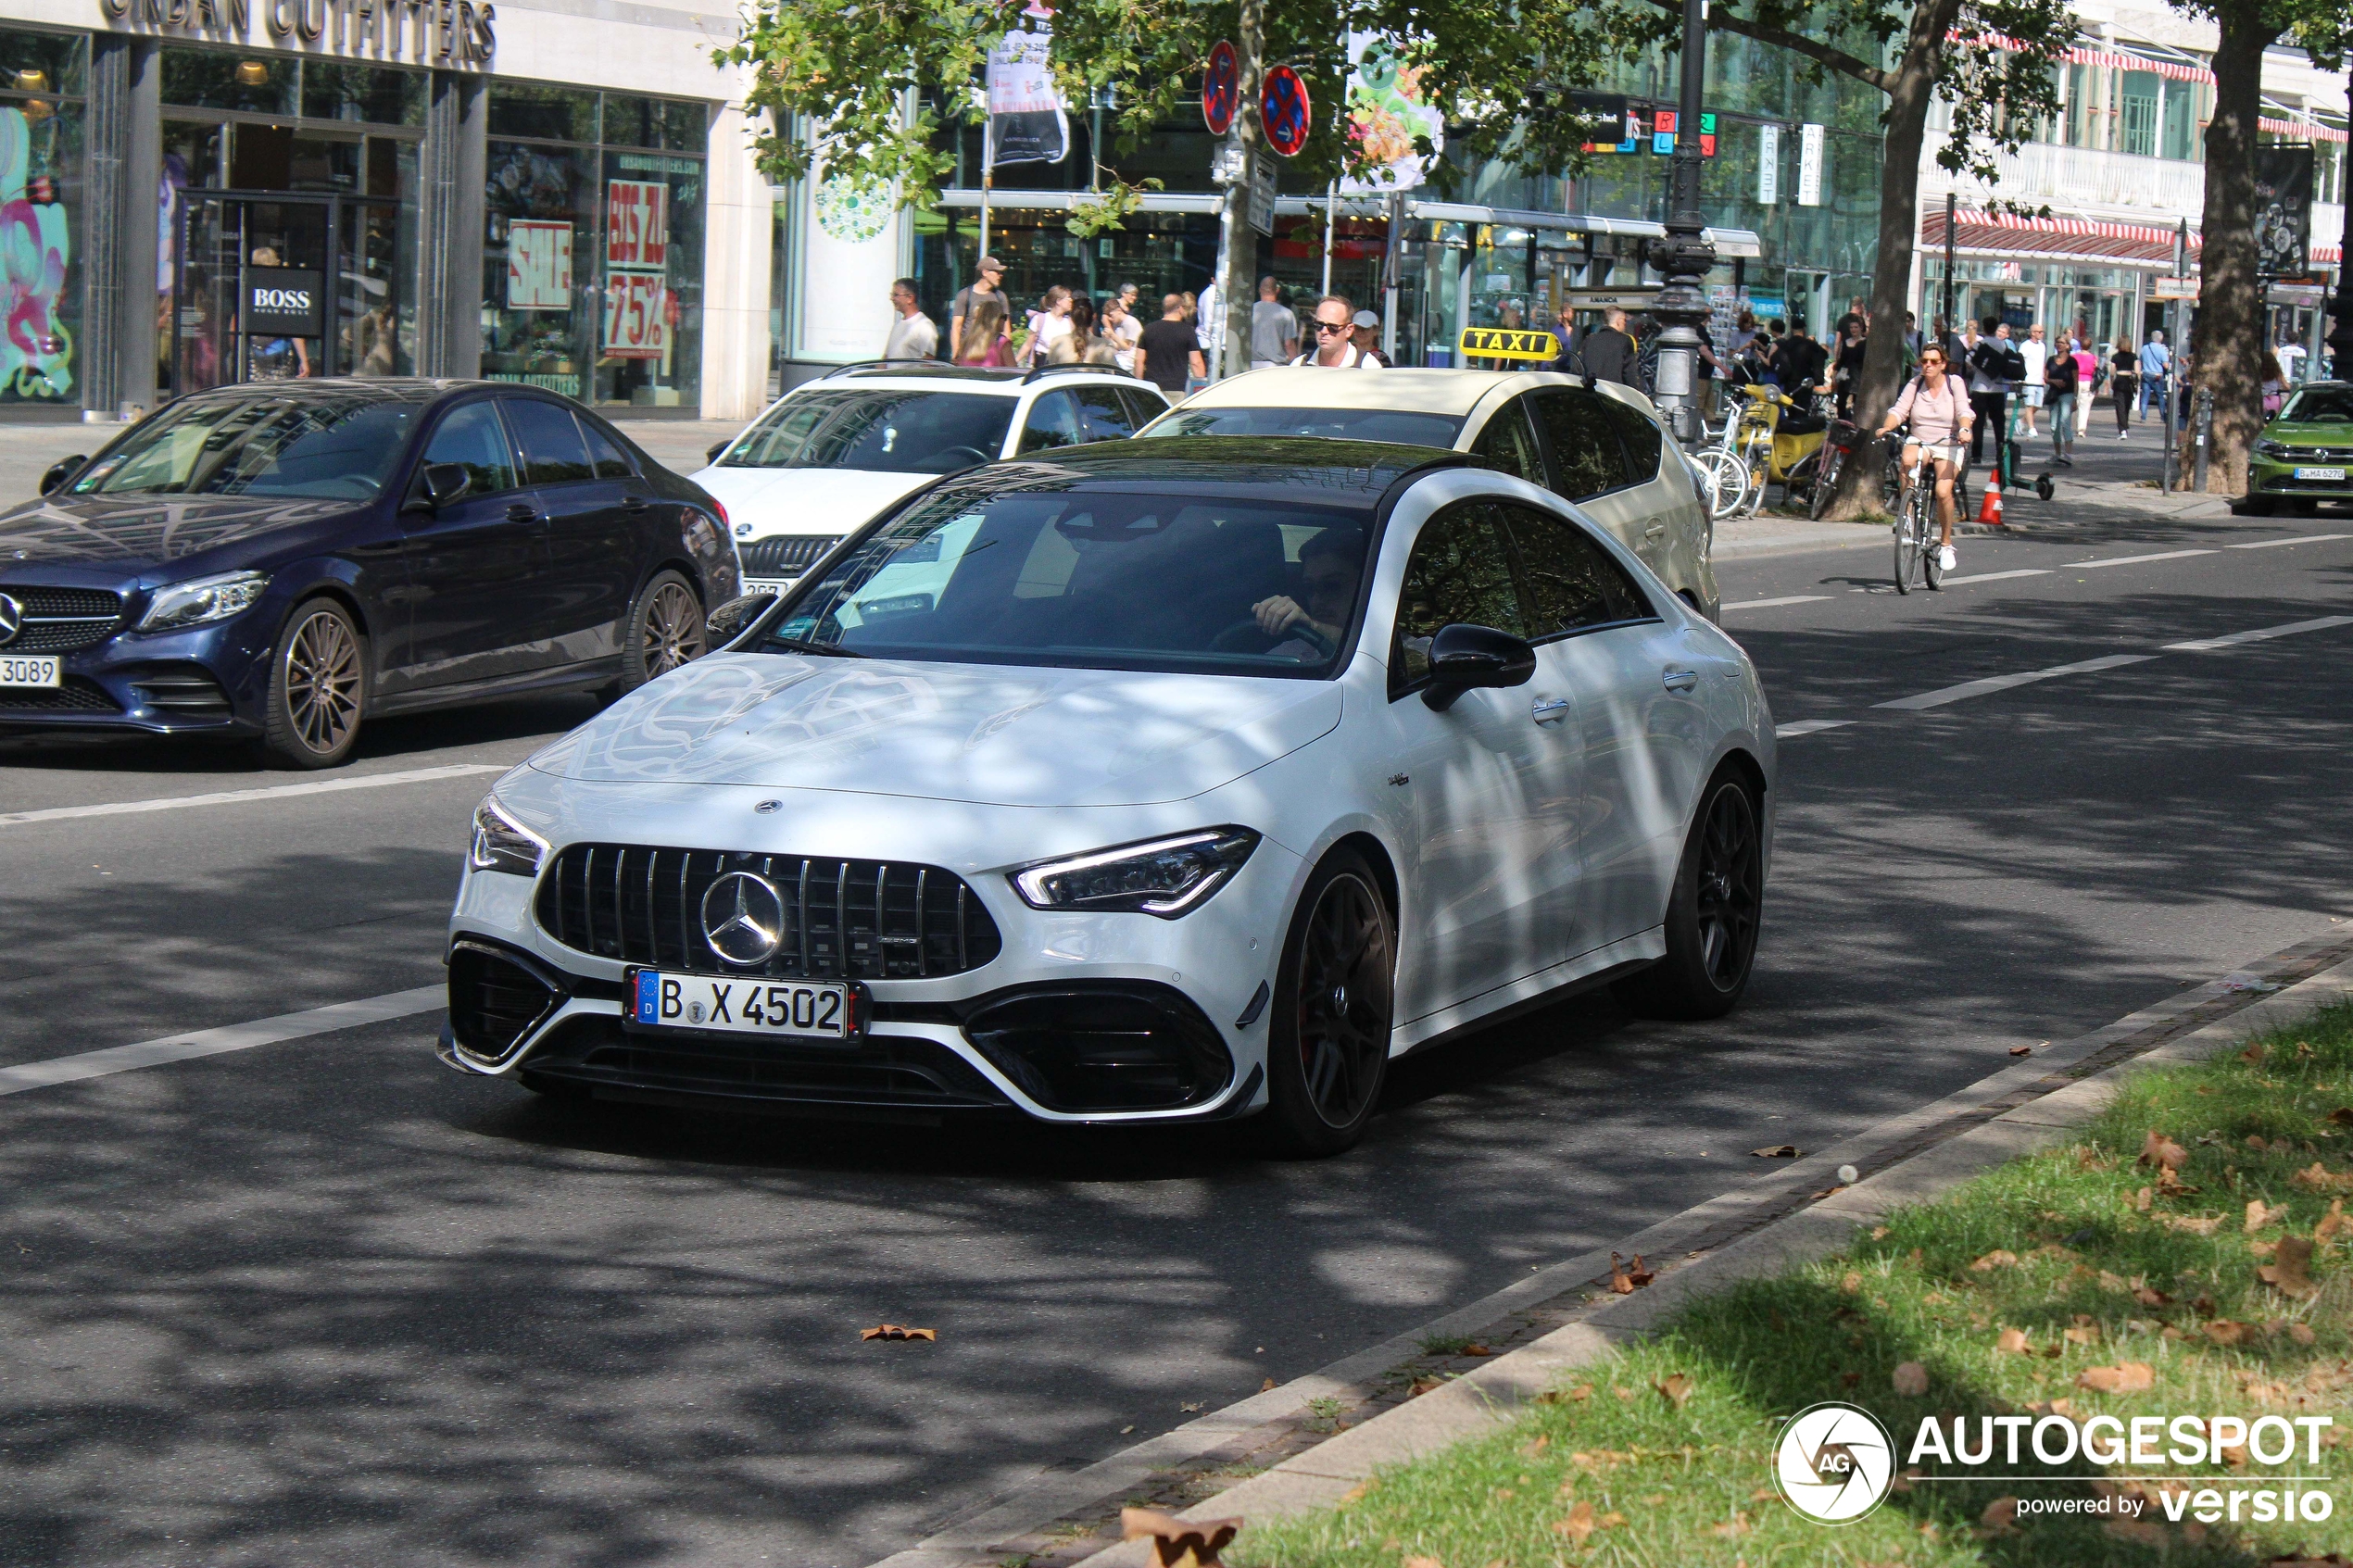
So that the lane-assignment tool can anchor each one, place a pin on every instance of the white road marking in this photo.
(1967, 689)
(1999, 576)
(228, 1037)
(233, 796)
(2291, 539)
(1808, 727)
(2261, 633)
(2135, 560)
(1792, 599)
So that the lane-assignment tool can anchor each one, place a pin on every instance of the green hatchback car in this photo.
(2304, 454)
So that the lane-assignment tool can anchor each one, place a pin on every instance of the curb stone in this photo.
(1545, 1322)
(1482, 1400)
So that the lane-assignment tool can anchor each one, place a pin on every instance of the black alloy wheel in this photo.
(664, 631)
(1713, 912)
(1328, 1033)
(318, 688)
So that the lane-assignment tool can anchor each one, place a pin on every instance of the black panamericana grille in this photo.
(782, 557)
(61, 619)
(843, 920)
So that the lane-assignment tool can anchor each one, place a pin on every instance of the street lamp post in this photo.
(1682, 255)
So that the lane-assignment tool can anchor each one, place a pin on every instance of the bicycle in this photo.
(1916, 521)
(1724, 472)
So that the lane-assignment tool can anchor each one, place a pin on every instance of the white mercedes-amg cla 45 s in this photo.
(1159, 781)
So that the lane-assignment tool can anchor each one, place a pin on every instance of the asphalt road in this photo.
(323, 1302)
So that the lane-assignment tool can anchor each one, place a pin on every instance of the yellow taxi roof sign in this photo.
(1509, 343)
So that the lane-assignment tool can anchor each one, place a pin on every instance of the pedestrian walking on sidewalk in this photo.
(1993, 367)
(2037, 354)
(2155, 360)
(2124, 377)
(2062, 389)
(912, 334)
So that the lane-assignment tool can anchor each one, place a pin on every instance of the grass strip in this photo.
(2139, 1247)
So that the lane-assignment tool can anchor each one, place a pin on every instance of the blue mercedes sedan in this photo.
(282, 561)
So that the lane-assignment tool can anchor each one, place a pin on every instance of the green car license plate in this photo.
(2335, 476)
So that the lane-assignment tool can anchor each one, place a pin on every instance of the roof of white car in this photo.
(940, 377)
(1415, 391)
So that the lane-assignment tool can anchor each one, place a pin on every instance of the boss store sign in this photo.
(283, 302)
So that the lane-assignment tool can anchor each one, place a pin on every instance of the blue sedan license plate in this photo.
(747, 1005)
(21, 670)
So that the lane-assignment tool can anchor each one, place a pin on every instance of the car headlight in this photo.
(2271, 449)
(204, 600)
(1167, 877)
(502, 843)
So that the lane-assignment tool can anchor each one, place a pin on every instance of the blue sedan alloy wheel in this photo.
(318, 686)
(666, 632)
(1333, 1011)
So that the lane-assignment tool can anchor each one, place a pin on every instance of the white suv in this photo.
(831, 453)
(1597, 445)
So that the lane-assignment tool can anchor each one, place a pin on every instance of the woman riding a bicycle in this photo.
(1939, 410)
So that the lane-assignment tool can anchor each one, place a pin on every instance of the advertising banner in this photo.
(1025, 119)
(1385, 113)
(637, 225)
(639, 313)
(1810, 149)
(850, 236)
(2283, 211)
(538, 266)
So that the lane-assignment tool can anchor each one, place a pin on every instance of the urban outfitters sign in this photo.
(453, 34)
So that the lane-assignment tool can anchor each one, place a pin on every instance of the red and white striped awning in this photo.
(2302, 130)
(2105, 60)
(2091, 240)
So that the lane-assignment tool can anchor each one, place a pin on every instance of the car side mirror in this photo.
(438, 485)
(61, 474)
(1462, 656)
(728, 621)
(712, 454)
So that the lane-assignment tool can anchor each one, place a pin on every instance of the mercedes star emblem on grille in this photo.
(11, 619)
(743, 918)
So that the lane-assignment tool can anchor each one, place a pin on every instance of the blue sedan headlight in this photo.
(204, 600)
(1167, 877)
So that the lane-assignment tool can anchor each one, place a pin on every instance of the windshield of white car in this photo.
(877, 430)
(312, 447)
(2319, 406)
(1399, 425)
(1201, 582)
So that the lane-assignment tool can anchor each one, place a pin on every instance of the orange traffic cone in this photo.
(1989, 512)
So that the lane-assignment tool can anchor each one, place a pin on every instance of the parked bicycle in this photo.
(1723, 470)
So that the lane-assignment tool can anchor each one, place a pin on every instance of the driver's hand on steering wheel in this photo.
(1278, 615)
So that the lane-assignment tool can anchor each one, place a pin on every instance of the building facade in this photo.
(2121, 171)
(205, 191)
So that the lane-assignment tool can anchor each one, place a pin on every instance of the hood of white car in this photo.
(827, 501)
(976, 734)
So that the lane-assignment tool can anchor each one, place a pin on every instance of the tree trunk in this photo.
(1241, 281)
(2227, 348)
(1909, 87)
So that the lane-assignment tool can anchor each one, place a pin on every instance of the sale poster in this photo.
(637, 315)
(538, 266)
(637, 224)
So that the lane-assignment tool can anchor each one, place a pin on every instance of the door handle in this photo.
(1681, 680)
(632, 502)
(1655, 531)
(521, 512)
(1550, 709)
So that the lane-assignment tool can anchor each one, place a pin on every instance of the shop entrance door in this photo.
(277, 287)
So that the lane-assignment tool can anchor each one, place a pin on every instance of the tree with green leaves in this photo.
(1991, 60)
(2227, 348)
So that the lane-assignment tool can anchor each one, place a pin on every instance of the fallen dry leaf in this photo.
(2011, 1342)
(2137, 1532)
(2170, 1185)
(2000, 1518)
(1576, 1526)
(2140, 1200)
(2224, 1332)
(1424, 1385)
(2287, 1271)
(1182, 1541)
(1911, 1379)
(1735, 1527)
(892, 1330)
(1625, 1281)
(2301, 1333)
(2081, 1335)
(1879, 1233)
(2109, 1281)
(2162, 1152)
(1356, 1493)
(2128, 1377)
(1269, 1387)
(1852, 1283)
(2262, 1248)
(2331, 1222)
(2253, 1054)
(1423, 1563)
(1476, 1348)
(2259, 1215)
(1675, 1388)
(1543, 1440)
(2204, 1226)
(2317, 1177)
(1999, 1258)
(2021, 1050)
(1778, 1151)
(2255, 1141)
(1625, 1394)
(2341, 1117)
(1576, 1395)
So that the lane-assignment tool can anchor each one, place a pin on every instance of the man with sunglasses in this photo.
(1335, 338)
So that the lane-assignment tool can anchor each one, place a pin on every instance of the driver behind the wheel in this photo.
(1328, 565)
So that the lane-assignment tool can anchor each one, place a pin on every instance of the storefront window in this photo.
(216, 79)
(592, 256)
(366, 93)
(41, 216)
